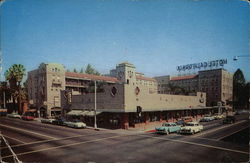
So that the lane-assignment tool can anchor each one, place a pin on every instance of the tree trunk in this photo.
(14, 104)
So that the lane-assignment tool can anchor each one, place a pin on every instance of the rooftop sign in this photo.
(203, 65)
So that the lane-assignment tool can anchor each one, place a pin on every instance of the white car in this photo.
(14, 115)
(50, 121)
(218, 116)
(191, 128)
(75, 124)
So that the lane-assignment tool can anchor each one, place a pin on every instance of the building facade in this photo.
(46, 82)
(217, 83)
(133, 101)
(44, 86)
(163, 84)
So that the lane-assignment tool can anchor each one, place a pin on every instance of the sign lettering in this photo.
(215, 63)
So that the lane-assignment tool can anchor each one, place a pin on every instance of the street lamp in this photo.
(95, 125)
(19, 96)
(237, 57)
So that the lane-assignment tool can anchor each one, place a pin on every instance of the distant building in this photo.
(163, 84)
(189, 83)
(217, 83)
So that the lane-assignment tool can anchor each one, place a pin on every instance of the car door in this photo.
(173, 127)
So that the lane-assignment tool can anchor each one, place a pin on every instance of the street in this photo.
(33, 141)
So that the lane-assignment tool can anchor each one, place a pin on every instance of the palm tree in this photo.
(15, 76)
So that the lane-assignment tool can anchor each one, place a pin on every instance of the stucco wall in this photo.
(126, 95)
(105, 101)
(155, 102)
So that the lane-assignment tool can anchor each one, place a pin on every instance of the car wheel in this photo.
(193, 132)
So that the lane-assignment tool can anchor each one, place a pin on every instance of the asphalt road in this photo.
(36, 142)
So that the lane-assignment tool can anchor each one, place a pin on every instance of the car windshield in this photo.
(180, 122)
(189, 124)
(166, 124)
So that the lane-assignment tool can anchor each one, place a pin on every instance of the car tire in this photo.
(193, 132)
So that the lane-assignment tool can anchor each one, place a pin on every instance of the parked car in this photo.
(3, 112)
(181, 123)
(229, 119)
(207, 119)
(28, 117)
(59, 121)
(75, 124)
(191, 128)
(168, 128)
(218, 116)
(187, 119)
(48, 120)
(238, 112)
(14, 115)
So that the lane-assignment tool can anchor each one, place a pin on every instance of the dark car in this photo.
(28, 117)
(59, 121)
(181, 123)
(229, 119)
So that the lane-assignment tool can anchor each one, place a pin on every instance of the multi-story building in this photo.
(217, 83)
(46, 82)
(163, 84)
(188, 83)
(44, 86)
(133, 101)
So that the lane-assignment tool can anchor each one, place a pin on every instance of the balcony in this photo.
(76, 84)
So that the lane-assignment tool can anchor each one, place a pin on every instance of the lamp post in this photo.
(95, 125)
(19, 96)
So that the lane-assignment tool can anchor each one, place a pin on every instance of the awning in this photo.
(31, 110)
(83, 113)
(91, 113)
(76, 112)
(56, 109)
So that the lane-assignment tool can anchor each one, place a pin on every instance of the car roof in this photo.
(169, 123)
(192, 123)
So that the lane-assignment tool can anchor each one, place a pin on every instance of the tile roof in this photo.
(183, 77)
(90, 77)
(145, 78)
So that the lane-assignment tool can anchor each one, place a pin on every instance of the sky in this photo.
(155, 35)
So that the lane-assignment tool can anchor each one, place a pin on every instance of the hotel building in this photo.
(125, 98)
(217, 83)
(132, 101)
(46, 82)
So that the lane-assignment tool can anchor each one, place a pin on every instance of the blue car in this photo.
(168, 128)
(207, 119)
